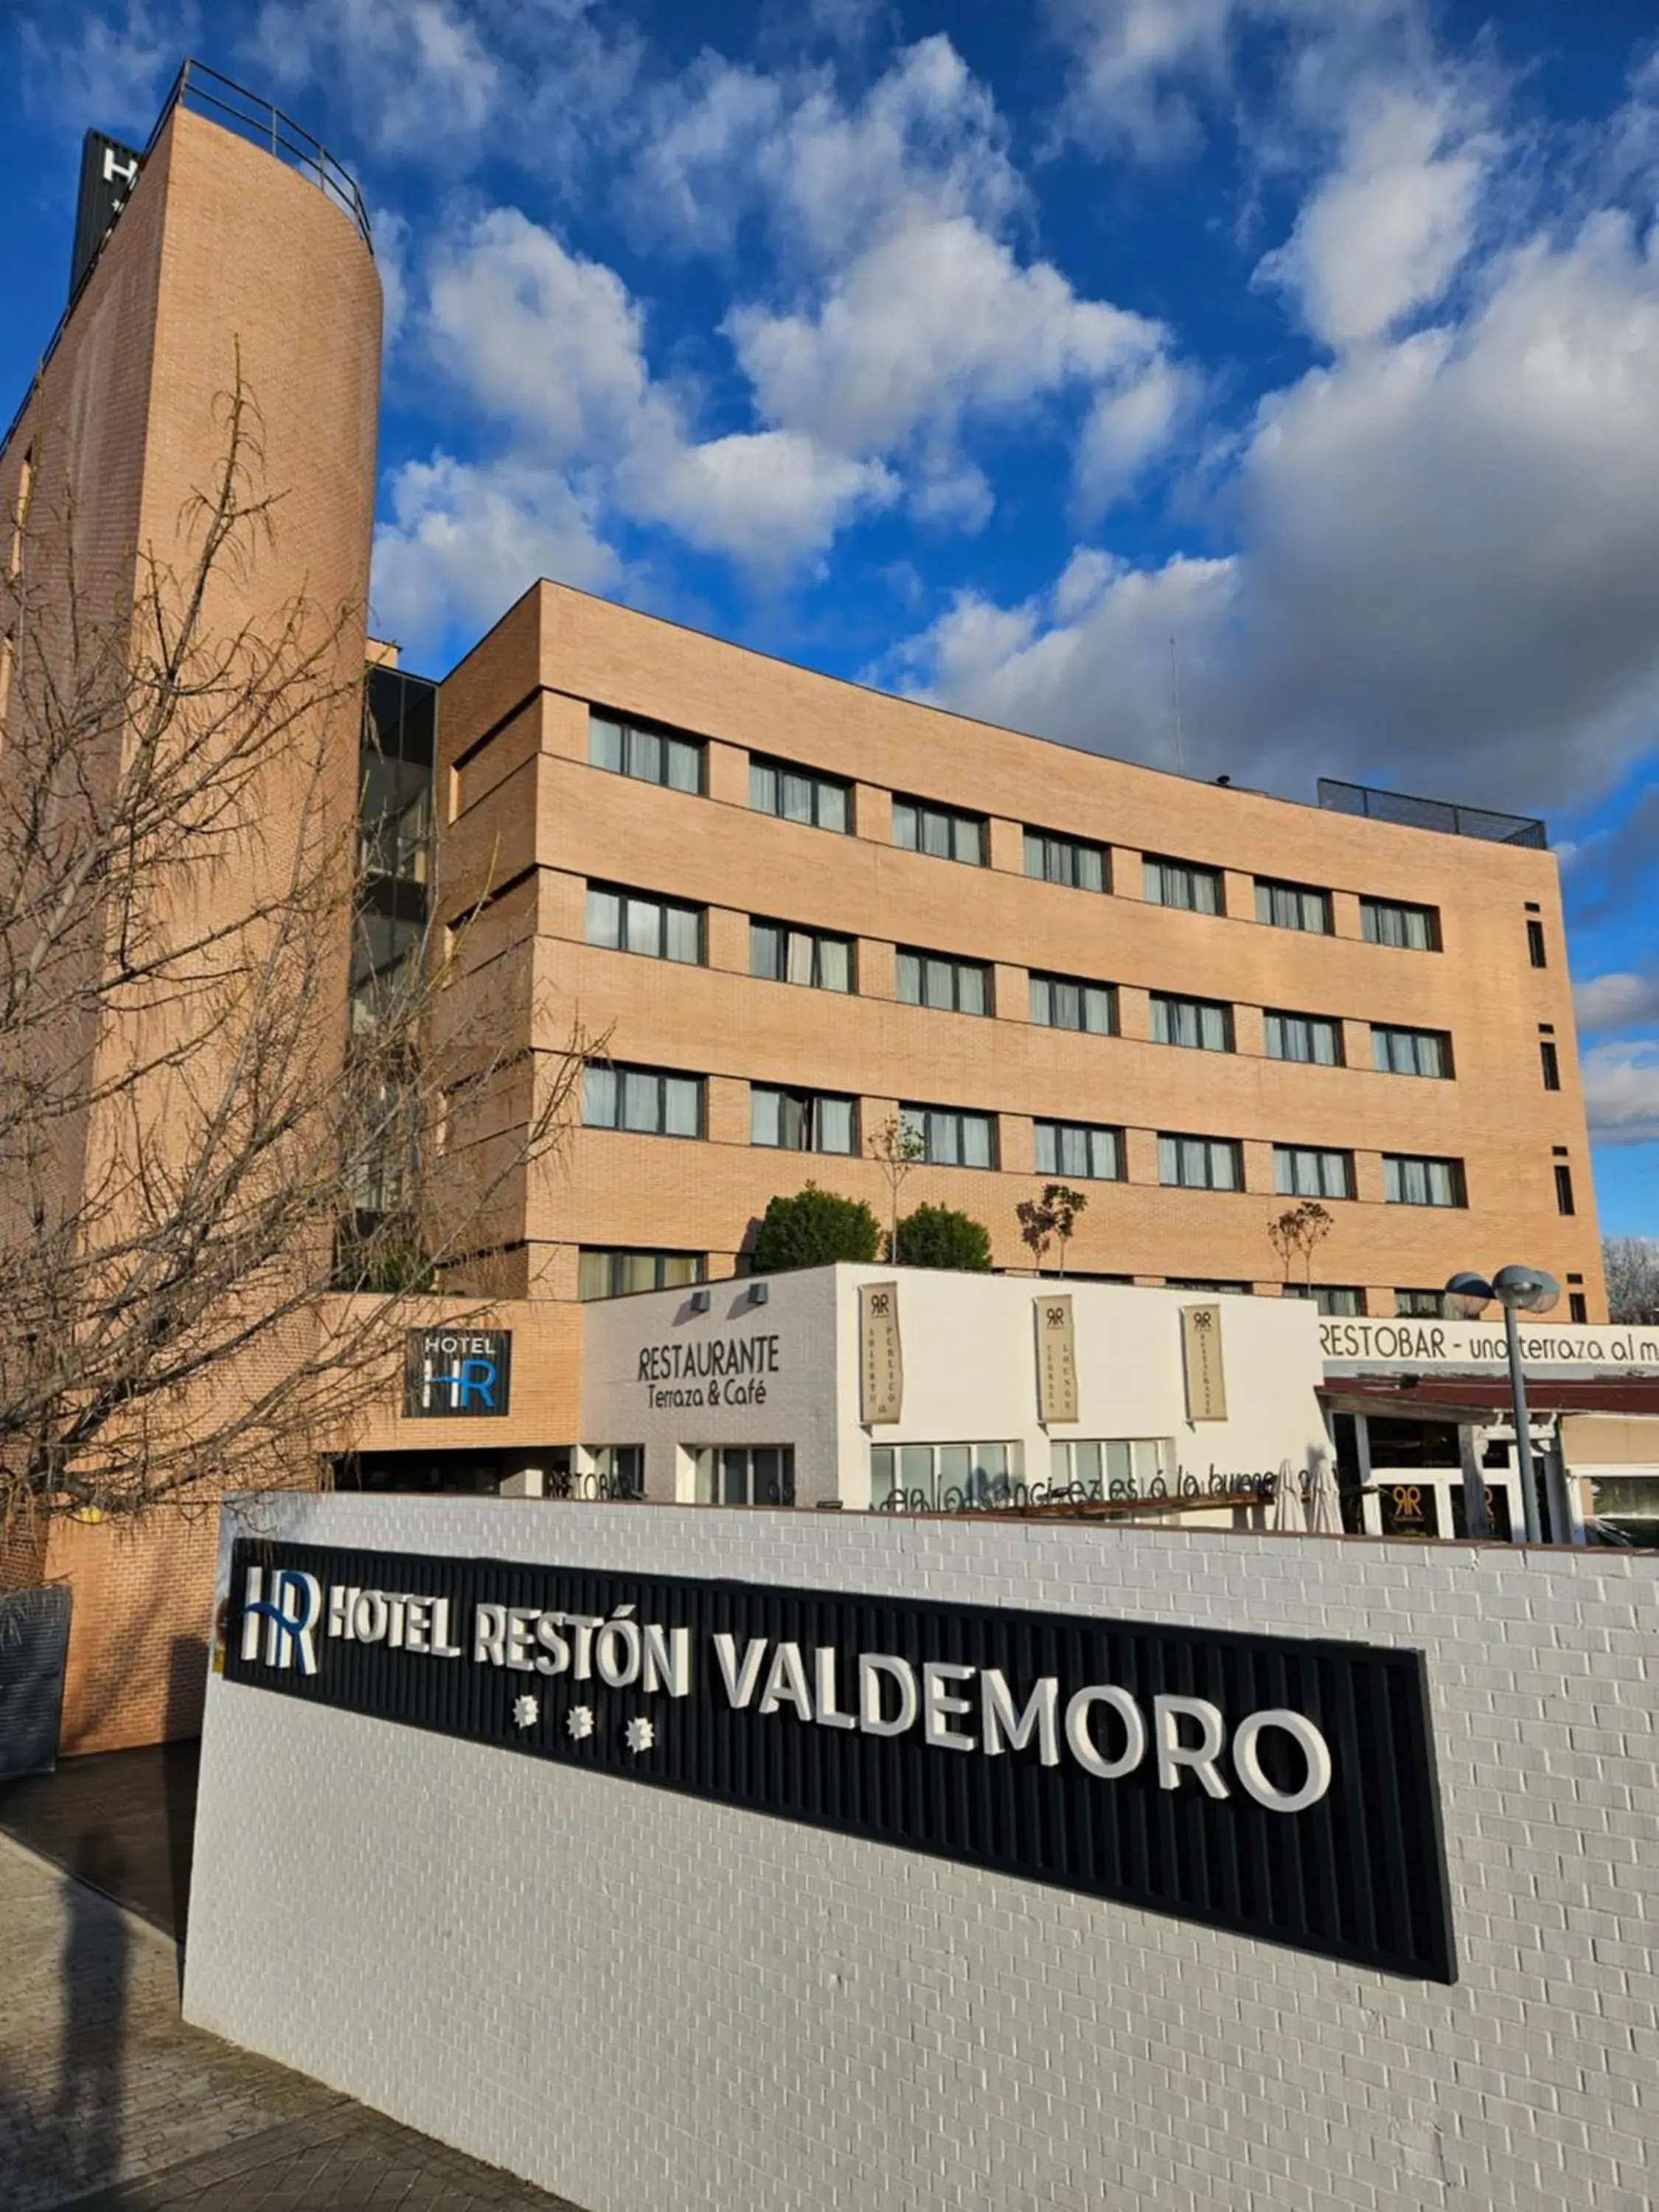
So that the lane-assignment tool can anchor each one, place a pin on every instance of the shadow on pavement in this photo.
(141, 1804)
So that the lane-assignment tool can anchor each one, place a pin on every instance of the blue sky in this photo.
(979, 351)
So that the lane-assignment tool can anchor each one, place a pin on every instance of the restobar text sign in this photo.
(1280, 1788)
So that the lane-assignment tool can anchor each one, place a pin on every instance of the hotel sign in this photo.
(1280, 1788)
(454, 1372)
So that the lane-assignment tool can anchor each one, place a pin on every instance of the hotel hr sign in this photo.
(1281, 1788)
(451, 1371)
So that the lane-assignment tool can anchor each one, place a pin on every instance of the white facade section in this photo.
(969, 1350)
(652, 2004)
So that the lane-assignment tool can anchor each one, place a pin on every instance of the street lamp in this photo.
(1517, 1290)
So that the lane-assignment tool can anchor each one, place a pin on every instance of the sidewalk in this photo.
(102, 2084)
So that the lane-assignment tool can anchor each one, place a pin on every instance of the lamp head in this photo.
(1467, 1293)
(1527, 1290)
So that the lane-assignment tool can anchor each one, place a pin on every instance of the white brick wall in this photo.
(648, 2003)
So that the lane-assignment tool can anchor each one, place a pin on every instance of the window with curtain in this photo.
(745, 1474)
(1419, 1305)
(1073, 860)
(1308, 1171)
(1409, 1180)
(1410, 1052)
(649, 1101)
(1313, 1038)
(1110, 1467)
(1201, 1163)
(942, 1478)
(635, 921)
(800, 794)
(951, 1137)
(802, 1121)
(1199, 1023)
(1182, 883)
(1293, 906)
(933, 979)
(648, 755)
(1065, 1002)
(922, 827)
(785, 954)
(612, 1272)
(1408, 928)
(1077, 1148)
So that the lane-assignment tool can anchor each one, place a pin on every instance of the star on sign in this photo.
(579, 1722)
(526, 1711)
(640, 1735)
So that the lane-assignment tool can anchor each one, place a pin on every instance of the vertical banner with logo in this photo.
(1201, 1348)
(1057, 1358)
(881, 1356)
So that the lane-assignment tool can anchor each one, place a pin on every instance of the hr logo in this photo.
(284, 1619)
(450, 1371)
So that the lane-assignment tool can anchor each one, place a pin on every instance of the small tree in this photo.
(896, 1147)
(1297, 1233)
(814, 1229)
(938, 1237)
(1052, 1215)
(1632, 1271)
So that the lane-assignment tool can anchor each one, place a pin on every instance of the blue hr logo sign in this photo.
(284, 1617)
(456, 1371)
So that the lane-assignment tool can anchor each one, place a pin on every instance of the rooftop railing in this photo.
(1397, 806)
(204, 91)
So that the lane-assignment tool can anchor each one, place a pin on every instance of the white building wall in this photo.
(653, 2004)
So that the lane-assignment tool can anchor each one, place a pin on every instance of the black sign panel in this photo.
(1280, 1788)
(108, 172)
(450, 1372)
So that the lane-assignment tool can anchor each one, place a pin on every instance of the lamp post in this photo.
(1517, 1290)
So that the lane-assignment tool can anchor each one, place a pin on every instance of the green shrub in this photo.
(813, 1230)
(938, 1237)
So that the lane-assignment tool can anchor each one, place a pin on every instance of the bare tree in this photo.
(1632, 1265)
(898, 1147)
(1297, 1233)
(216, 1206)
(1052, 1215)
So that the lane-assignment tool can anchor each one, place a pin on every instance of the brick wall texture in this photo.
(650, 2004)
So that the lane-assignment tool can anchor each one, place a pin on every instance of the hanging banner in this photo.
(1056, 1352)
(1279, 1787)
(881, 1356)
(1200, 1349)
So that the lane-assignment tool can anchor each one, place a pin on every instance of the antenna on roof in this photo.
(1175, 707)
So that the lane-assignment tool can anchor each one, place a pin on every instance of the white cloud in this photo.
(421, 76)
(1621, 1092)
(1131, 423)
(769, 499)
(114, 73)
(1622, 1000)
(1137, 63)
(465, 539)
(1384, 233)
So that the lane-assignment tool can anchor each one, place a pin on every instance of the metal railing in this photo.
(205, 91)
(1396, 806)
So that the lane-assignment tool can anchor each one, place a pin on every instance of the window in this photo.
(632, 921)
(608, 1272)
(1196, 1021)
(785, 954)
(1577, 1306)
(616, 1471)
(1564, 1189)
(1329, 1297)
(1203, 1283)
(1293, 906)
(1535, 952)
(950, 1137)
(940, 830)
(1413, 928)
(1180, 882)
(745, 1474)
(1419, 1305)
(942, 1478)
(1200, 1164)
(1550, 1062)
(1115, 1466)
(802, 1121)
(1306, 1171)
(1410, 1052)
(800, 794)
(1061, 1002)
(1065, 860)
(647, 1100)
(929, 979)
(1078, 1148)
(1310, 1037)
(1408, 1181)
(650, 756)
